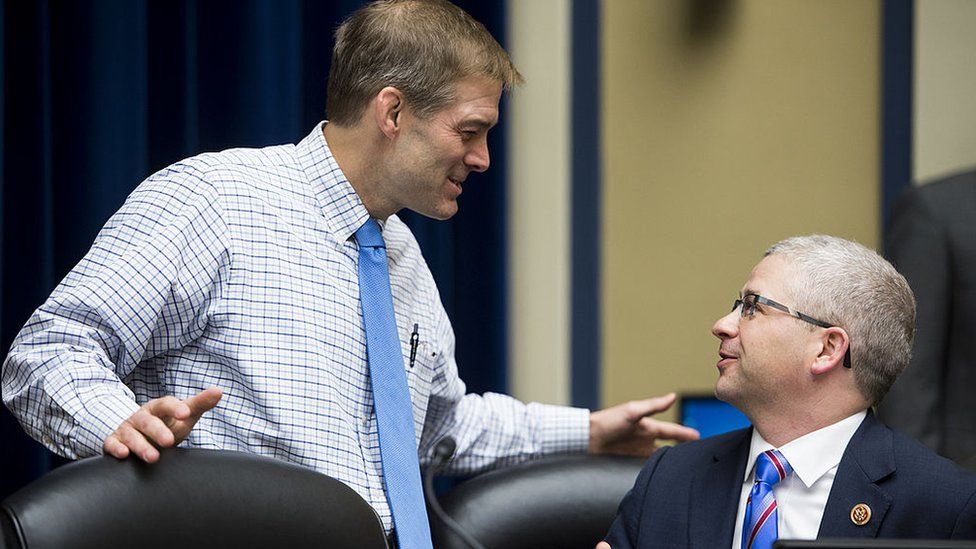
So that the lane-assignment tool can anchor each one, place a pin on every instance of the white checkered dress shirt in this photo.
(238, 270)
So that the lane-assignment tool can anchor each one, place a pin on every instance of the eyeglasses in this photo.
(748, 303)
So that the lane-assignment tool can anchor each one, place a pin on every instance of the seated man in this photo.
(816, 463)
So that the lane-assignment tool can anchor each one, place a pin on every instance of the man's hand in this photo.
(162, 422)
(603, 545)
(626, 428)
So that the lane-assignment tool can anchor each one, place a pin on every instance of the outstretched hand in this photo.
(627, 428)
(161, 422)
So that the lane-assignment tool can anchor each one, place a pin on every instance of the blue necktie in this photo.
(760, 530)
(391, 395)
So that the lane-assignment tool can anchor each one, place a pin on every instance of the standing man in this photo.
(817, 336)
(280, 284)
(930, 239)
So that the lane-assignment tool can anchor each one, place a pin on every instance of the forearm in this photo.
(144, 288)
(64, 399)
(494, 430)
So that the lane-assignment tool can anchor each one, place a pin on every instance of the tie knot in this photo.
(369, 235)
(772, 467)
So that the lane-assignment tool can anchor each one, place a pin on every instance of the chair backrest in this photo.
(189, 498)
(561, 502)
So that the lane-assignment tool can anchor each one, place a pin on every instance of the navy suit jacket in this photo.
(688, 495)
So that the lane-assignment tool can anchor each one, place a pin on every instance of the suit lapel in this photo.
(716, 493)
(867, 460)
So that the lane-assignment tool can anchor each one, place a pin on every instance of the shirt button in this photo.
(365, 422)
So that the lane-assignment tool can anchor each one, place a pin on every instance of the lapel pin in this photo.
(860, 514)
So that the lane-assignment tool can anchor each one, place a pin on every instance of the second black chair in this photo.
(562, 502)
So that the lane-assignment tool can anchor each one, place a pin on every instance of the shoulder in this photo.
(677, 462)
(709, 447)
(919, 466)
(925, 484)
(919, 482)
(243, 158)
(945, 193)
(241, 172)
(211, 169)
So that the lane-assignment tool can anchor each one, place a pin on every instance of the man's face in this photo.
(436, 154)
(762, 357)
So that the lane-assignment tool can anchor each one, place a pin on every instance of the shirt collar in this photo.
(813, 454)
(343, 210)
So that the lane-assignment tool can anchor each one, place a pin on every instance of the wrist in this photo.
(595, 445)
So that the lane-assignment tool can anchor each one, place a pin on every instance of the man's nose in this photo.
(478, 158)
(727, 327)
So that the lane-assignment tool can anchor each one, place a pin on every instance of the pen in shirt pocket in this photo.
(414, 341)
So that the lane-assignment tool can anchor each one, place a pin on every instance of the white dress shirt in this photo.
(237, 269)
(801, 497)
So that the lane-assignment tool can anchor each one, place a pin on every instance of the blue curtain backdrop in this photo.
(99, 94)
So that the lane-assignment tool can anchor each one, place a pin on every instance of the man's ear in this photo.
(834, 344)
(387, 111)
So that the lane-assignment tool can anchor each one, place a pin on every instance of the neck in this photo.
(357, 153)
(786, 426)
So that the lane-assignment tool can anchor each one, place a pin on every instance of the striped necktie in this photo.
(760, 530)
(391, 395)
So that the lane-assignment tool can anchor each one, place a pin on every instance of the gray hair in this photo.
(847, 285)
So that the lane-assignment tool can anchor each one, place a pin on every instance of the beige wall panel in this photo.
(538, 202)
(725, 130)
(945, 85)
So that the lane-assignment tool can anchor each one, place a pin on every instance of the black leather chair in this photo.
(561, 502)
(189, 498)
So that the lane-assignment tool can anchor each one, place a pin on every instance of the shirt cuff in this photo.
(561, 429)
(105, 414)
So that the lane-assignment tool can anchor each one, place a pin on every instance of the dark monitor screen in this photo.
(873, 544)
(710, 415)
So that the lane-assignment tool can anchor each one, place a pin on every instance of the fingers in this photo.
(137, 433)
(127, 440)
(649, 406)
(603, 545)
(670, 431)
(168, 407)
(204, 401)
(162, 422)
(114, 447)
(150, 424)
(152, 427)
